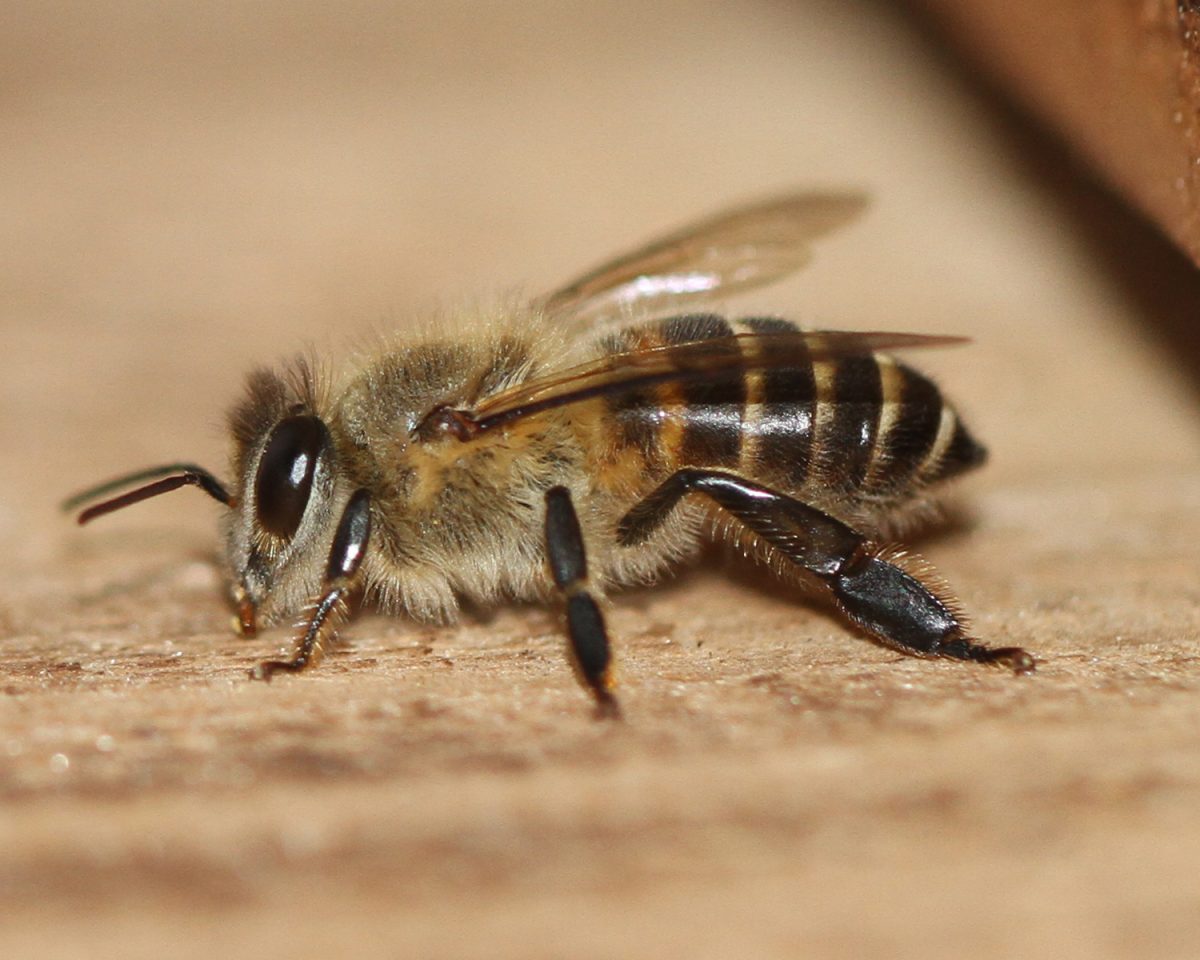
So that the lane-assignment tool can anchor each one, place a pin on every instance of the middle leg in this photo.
(585, 623)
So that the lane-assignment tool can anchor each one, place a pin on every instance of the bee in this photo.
(594, 439)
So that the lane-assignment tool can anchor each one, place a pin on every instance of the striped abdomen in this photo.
(860, 423)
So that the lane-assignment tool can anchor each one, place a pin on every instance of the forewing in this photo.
(622, 373)
(732, 252)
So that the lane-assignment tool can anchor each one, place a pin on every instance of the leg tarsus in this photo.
(897, 607)
(608, 708)
(311, 646)
(1015, 658)
(268, 668)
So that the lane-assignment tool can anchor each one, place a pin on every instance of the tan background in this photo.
(1118, 79)
(186, 194)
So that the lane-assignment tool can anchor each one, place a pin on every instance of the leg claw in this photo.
(268, 668)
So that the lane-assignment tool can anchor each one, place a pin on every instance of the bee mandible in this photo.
(590, 440)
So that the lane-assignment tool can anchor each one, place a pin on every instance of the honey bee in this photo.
(591, 440)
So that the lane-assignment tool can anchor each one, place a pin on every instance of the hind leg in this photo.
(892, 604)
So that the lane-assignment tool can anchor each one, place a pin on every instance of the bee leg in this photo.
(585, 623)
(345, 557)
(887, 601)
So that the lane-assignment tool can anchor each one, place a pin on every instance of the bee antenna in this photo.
(163, 479)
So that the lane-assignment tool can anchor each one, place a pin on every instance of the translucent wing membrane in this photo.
(623, 373)
(162, 479)
(734, 251)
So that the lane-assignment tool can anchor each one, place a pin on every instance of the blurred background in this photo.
(189, 191)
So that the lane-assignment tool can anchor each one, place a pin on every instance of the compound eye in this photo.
(285, 473)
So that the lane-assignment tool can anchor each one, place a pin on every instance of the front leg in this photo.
(585, 623)
(345, 558)
(880, 596)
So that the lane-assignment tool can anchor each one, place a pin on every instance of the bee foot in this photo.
(1015, 658)
(607, 708)
(1018, 660)
(268, 668)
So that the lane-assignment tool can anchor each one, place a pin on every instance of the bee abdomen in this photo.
(920, 437)
(783, 410)
(853, 423)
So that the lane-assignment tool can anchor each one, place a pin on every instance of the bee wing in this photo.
(736, 250)
(639, 369)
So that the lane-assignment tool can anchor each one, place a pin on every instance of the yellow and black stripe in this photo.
(861, 422)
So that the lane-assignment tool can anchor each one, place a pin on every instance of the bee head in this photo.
(287, 495)
(283, 504)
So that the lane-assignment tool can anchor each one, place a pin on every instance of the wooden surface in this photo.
(186, 195)
(1117, 80)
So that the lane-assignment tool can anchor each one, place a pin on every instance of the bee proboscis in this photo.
(592, 440)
